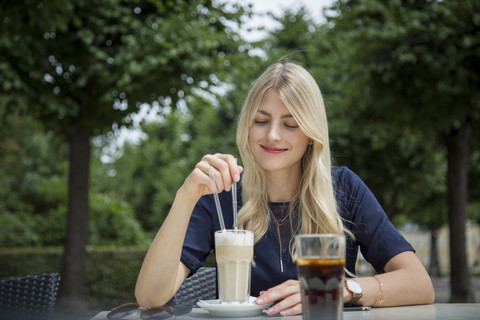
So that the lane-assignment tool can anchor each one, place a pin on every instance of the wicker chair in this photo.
(29, 296)
(201, 286)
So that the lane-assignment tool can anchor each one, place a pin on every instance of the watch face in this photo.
(354, 286)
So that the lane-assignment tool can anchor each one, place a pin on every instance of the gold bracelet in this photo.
(380, 296)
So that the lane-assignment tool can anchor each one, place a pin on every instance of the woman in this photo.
(288, 187)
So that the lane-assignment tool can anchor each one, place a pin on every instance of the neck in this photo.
(282, 187)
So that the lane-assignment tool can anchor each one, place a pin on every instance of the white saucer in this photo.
(231, 310)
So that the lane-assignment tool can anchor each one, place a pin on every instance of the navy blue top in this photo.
(375, 235)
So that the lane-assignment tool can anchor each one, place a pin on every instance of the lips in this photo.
(273, 149)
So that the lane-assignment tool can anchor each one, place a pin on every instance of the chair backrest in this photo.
(28, 296)
(201, 286)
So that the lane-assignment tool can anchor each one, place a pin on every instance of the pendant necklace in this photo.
(279, 222)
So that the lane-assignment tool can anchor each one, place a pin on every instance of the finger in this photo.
(279, 292)
(211, 165)
(221, 163)
(297, 309)
(204, 164)
(216, 181)
(226, 165)
(198, 182)
(206, 170)
(235, 169)
(287, 305)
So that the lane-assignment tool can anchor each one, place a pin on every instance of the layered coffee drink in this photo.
(234, 255)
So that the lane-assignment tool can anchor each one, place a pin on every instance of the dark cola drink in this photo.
(321, 282)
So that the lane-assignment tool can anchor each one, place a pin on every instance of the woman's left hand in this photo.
(288, 296)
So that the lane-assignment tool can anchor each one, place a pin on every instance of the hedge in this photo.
(111, 271)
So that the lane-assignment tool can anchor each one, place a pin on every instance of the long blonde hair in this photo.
(315, 197)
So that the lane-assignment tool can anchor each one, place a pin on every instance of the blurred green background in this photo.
(80, 78)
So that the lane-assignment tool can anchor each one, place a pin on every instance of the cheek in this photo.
(302, 146)
(301, 140)
(252, 135)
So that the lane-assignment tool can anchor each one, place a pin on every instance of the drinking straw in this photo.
(217, 201)
(234, 201)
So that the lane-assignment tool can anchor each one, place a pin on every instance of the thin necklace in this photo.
(280, 222)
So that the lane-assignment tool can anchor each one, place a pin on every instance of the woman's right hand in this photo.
(225, 171)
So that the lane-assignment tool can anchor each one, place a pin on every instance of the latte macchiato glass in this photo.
(234, 255)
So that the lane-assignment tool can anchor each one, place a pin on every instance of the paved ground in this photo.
(442, 289)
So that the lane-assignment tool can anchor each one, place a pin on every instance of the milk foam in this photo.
(232, 238)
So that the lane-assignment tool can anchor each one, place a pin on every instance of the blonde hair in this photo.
(314, 199)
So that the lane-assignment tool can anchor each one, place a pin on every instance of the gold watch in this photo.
(355, 288)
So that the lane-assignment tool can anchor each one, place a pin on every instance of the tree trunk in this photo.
(434, 268)
(71, 293)
(458, 148)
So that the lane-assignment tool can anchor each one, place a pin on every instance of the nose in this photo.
(274, 132)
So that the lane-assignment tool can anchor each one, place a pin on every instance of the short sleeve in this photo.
(199, 237)
(375, 235)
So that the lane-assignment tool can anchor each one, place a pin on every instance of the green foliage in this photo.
(90, 64)
(112, 273)
(21, 260)
(33, 181)
(70, 62)
(28, 154)
(33, 193)
(404, 94)
(112, 222)
(18, 230)
(418, 56)
(292, 41)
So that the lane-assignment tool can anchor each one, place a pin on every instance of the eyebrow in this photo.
(285, 116)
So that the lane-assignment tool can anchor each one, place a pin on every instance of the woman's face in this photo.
(275, 138)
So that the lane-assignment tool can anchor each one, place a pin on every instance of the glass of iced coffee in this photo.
(320, 267)
(234, 255)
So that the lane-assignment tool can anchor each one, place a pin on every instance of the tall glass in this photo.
(234, 255)
(320, 267)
